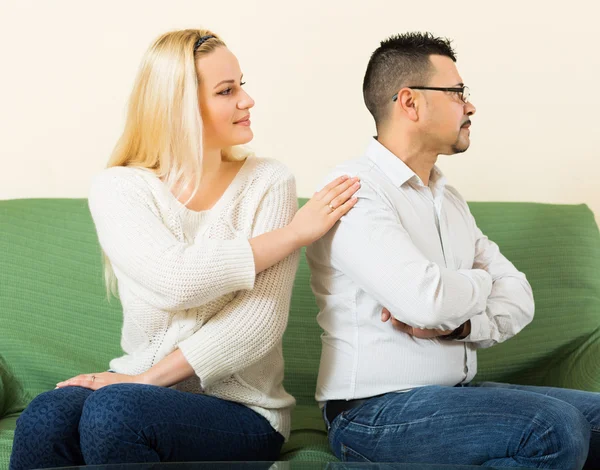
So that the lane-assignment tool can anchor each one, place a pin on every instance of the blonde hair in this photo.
(163, 128)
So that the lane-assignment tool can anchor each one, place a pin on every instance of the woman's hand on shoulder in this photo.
(324, 209)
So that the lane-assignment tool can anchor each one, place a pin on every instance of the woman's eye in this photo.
(228, 91)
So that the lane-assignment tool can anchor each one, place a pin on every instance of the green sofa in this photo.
(55, 321)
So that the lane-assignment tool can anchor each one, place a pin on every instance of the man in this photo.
(401, 390)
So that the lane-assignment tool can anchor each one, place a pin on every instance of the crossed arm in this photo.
(493, 300)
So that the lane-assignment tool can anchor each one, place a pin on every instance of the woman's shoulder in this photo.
(122, 180)
(271, 171)
(123, 175)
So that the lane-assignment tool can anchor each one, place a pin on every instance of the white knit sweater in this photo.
(187, 280)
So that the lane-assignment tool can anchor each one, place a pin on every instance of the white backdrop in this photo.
(67, 67)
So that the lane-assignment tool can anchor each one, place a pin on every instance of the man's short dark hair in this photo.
(400, 61)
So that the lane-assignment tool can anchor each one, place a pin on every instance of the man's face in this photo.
(446, 118)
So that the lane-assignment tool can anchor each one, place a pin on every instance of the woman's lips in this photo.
(244, 122)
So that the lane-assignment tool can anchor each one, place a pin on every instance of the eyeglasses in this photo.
(464, 91)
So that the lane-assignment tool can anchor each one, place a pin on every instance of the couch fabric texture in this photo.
(55, 320)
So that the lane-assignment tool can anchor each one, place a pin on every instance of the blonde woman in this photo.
(202, 239)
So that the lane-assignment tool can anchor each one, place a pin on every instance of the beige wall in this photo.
(67, 67)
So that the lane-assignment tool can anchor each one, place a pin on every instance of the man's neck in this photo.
(413, 155)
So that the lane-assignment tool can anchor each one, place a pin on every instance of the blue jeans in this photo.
(487, 424)
(125, 423)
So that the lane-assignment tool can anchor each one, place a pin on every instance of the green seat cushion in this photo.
(308, 440)
(307, 446)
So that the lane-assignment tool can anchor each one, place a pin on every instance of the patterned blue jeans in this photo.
(488, 424)
(126, 423)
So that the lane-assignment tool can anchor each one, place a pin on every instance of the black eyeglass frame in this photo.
(460, 90)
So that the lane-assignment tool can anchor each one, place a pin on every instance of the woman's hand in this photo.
(99, 380)
(324, 209)
(310, 223)
(168, 371)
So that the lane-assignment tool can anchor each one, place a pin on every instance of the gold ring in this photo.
(331, 208)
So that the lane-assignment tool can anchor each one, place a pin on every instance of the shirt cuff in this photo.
(480, 329)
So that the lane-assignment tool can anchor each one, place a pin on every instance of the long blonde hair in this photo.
(163, 128)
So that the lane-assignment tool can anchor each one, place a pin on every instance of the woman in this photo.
(202, 239)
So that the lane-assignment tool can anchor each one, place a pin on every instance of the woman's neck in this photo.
(211, 162)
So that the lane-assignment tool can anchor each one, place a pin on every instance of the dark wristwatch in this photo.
(457, 333)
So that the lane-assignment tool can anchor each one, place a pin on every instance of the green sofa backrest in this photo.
(55, 321)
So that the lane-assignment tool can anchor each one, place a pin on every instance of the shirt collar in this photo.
(399, 172)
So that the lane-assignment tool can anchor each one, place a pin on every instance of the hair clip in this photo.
(201, 41)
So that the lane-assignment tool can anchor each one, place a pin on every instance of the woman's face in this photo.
(224, 105)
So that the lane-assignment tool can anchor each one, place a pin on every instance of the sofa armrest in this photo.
(12, 398)
(2, 396)
(4, 381)
(580, 369)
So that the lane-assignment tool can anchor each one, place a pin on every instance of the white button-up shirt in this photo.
(417, 251)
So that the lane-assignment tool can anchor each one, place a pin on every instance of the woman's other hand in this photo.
(99, 380)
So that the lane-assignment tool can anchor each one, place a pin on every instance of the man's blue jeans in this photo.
(126, 423)
(486, 424)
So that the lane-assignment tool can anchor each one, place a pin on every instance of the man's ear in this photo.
(408, 103)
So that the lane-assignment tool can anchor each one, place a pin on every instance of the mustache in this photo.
(467, 122)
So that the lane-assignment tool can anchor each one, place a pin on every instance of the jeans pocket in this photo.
(350, 455)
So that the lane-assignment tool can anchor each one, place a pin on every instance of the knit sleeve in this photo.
(252, 324)
(146, 256)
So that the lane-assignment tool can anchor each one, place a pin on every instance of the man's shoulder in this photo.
(361, 167)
